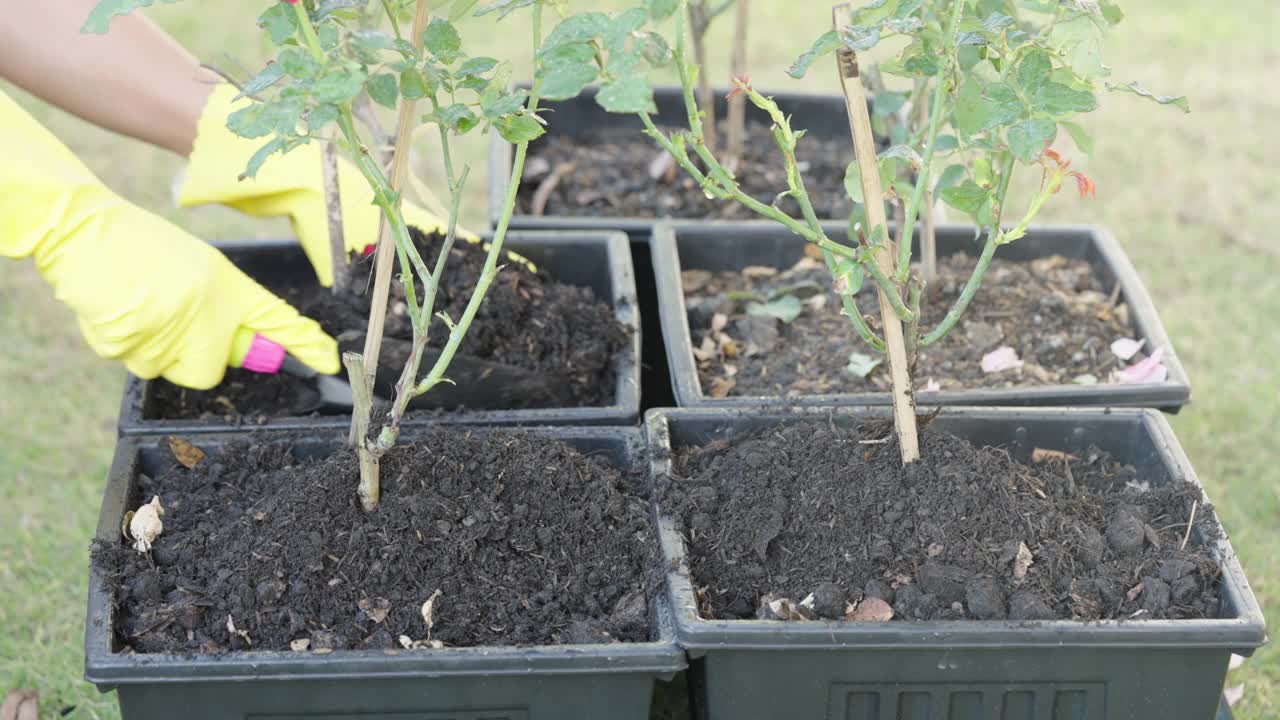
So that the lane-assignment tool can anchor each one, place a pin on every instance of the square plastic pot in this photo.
(732, 246)
(820, 115)
(601, 682)
(598, 260)
(958, 670)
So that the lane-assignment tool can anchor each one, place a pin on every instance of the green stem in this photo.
(851, 310)
(994, 240)
(391, 15)
(911, 333)
(890, 290)
(490, 271)
(935, 120)
(309, 37)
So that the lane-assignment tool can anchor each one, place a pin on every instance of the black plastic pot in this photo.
(820, 115)
(733, 246)
(957, 670)
(601, 682)
(598, 260)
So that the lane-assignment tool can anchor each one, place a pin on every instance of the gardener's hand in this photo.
(145, 292)
(290, 185)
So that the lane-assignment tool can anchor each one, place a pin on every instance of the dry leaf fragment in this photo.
(231, 628)
(186, 453)
(20, 705)
(812, 251)
(1001, 359)
(776, 608)
(300, 645)
(759, 271)
(1126, 348)
(144, 524)
(1134, 592)
(936, 549)
(1022, 562)
(376, 608)
(707, 351)
(872, 609)
(1233, 694)
(1040, 455)
(718, 322)
(720, 387)
(429, 610)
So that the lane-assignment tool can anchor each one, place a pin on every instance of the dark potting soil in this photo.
(814, 509)
(527, 541)
(1054, 312)
(528, 320)
(622, 172)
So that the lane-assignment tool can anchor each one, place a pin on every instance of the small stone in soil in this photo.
(829, 601)
(1155, 595)
(1125, 533)
(1026, 605)
(945, 581)
(984, 599)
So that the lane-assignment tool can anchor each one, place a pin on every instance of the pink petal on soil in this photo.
(932, 386)
(1126, 348)
(1002, 358)
(1151, 370)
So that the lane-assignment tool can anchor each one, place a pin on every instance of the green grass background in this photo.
(1194, 199)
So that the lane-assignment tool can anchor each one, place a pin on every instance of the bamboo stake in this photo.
(737, 121)
(904, 405)
(333, 207)
(928, 232)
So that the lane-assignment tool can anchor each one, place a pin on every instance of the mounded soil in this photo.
(528, 320)
(528, 542)
(621, 172)
(1054, 312)
(813, 509)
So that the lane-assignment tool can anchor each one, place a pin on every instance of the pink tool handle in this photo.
(264, 356)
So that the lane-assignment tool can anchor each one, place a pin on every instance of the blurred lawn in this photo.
(1193, 198)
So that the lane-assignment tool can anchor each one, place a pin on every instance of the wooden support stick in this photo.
(333, 206)
(737, 122)
(855, 95)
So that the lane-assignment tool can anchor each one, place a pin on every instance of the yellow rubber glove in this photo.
(145, 291)
(290, 184)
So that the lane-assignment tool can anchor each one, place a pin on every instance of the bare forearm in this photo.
(135, 80)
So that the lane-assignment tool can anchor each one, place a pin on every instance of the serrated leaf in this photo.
(475, 66)
(457, 117)
(661, 9)
(1028, 139)
(997, 21)
(320, 116)
(980, 108)
(441, 37)
(628, 94)
(853, 182)
(328, 35)
(1080, 42)
(861, 37)
(786, 308)
(260, 156)
(329, 7)
(655, 49)
(1178, 101)
(504, 7)
(338, 87)
(278, 20)
(270, 75)
(1032, 72)
(519, 128)
(621, 28)
(945, 144)
(383, 89)
(1111, 12)
(967, 197)
(950, 177)
(251, 121)
(414, 85)
(848, 275)
(100, 16)
(1057, 99)
(373, 40)
(888, 102)
(826, 44)
(861, 364)
(578, 29)
(567, 69)
(1080, 136)
(298, 63)
(902, 152)
(495, 105)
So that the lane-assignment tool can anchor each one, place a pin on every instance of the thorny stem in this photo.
(994, 240)
(911, 332)
(362, 408)
(886, 284)
(848, 301)
(931, 141)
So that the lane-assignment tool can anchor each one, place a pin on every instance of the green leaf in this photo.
(1081, 43)
(252, 121)
(902, 152)
(383, 89)
(457, 117)
(566, 70)
(785, 308)
(279, 21)
(274, 145)
(848, 275)
(519, 128)
(661, 9)
(861, 37)
(328, 35)
(627, 94)
(1178, 101)
(373, 40)
(621, 28)
(298, 63)
(826, 44)
(504, 7)
(1057, 99)
(861, 364)
(853, 182)
(980, 108)
(441, 38)
(997, 21)
(887, 102)
(1029, 138)
(460, 9)
(329, 7)
(414, 85)
(1111, 12)
(946, 144)
(269, 76)
(497, 104)
(475, 66)
(100, 17)
(967, 197)
(581, 28)
(1080, 136)
(655, 49)
(950, 177)
(320, 116)
(338, 87)
(1032, 72)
